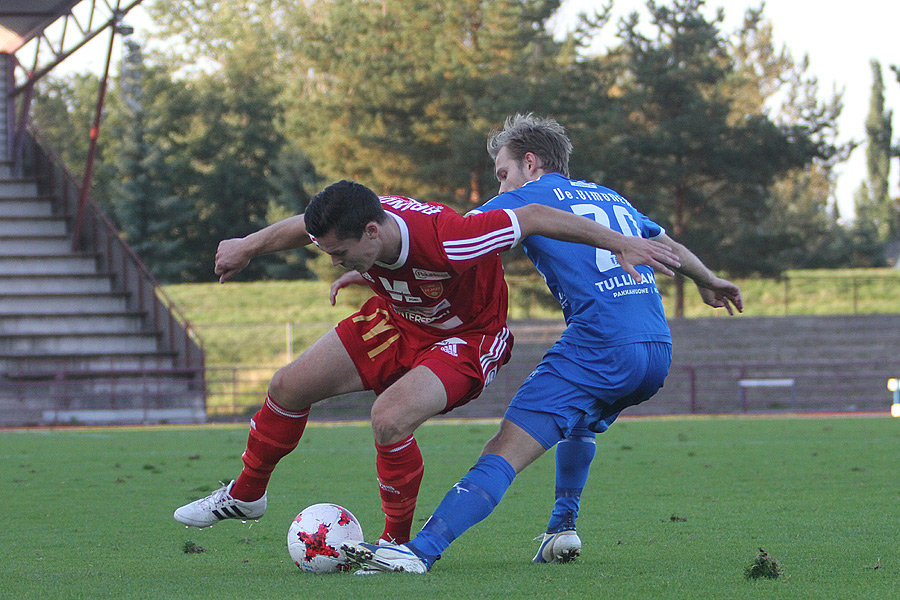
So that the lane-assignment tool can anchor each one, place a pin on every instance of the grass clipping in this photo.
(191, 548)
(763, 567)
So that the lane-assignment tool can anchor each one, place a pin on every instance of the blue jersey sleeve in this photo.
(649, 229)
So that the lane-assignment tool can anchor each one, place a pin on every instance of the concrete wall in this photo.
(838, 363)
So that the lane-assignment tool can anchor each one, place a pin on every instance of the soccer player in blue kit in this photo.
(615, 351)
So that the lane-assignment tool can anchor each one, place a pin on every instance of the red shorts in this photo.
(383, 353)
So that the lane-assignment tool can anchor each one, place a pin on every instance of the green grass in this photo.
(244, 323)
(675, 508)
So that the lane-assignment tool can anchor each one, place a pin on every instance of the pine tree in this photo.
(401, 95)
(876, 204)
(803, 207)
(153, 218)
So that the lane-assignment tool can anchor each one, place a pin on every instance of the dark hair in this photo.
(543, 137)
(343, 208)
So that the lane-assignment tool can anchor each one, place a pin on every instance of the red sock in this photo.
(274, 432)
(400, 470)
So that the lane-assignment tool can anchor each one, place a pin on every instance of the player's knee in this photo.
(285, 395)
(277, 387)
(389, 427)
(515, 445)
(493, 445)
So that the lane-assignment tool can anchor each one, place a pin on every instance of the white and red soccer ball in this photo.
(315, 537)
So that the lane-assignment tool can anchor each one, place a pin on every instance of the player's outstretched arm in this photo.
(234, 254)
(629, 250)
(715, 291)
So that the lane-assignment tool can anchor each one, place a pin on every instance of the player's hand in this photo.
(348, 278)
(231, 258)
(640, 251)
(721, 293)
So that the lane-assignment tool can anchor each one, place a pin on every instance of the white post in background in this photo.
(289, 341)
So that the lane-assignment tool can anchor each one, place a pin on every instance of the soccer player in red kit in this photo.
(429, 340)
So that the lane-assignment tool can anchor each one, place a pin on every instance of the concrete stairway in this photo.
(73, 347)
(836, 363)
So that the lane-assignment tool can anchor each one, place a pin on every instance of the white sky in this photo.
(840, 39)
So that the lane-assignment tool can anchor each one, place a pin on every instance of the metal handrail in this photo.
(102, 237)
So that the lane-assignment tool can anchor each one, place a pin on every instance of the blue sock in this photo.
(573, 462)
(468, 503)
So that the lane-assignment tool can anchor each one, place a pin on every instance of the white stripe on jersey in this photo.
(485, 244)
(501, 239)
(498, 348)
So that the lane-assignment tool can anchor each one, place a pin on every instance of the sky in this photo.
(839, 38)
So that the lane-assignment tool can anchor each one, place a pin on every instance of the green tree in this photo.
(768, 80)
(254, 106)
(874, 203)
(193, 163)
(229, 140)
(688, 156)
(63, 113)
(400, 95)
(138, 177)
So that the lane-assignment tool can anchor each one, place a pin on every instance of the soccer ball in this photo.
(314, 538)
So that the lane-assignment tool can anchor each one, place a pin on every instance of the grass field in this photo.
(675, 508)
(245, 326)
(244, 323)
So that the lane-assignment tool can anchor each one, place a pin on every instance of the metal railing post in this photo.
(92, 150)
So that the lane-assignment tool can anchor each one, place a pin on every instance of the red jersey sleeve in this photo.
(468, 240)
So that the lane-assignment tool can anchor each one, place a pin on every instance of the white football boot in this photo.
(364, 571)
(560, 544)
(560, 547)
(218, 506)
(385, 558)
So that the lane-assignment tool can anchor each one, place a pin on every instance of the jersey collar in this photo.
(404, 244)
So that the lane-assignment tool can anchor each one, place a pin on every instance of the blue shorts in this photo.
(579, 386)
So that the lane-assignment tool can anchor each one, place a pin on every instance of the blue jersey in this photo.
(602, 304)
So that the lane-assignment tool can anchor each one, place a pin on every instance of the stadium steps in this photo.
(48, 263)
(71, 349)
(77, 365)
(65, 342)
(62, 303)
(838, 363)
(43, 323)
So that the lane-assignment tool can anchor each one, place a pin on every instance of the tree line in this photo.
(720, 136)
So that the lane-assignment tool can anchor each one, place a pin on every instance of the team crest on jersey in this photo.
(432, 290)
(426, 275)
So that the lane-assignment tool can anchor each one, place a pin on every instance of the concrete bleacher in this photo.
(83, 336)
(837, 363)
(73, 346)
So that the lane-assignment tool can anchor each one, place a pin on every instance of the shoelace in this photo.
(218, 496)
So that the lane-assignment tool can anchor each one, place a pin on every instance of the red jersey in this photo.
(449, 278)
